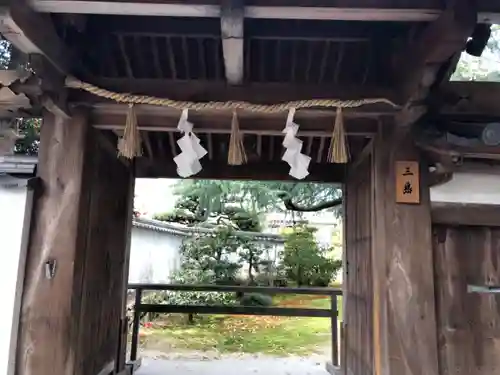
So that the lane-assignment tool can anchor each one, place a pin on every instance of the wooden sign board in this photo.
(407, 182)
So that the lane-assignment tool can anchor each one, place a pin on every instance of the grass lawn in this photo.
(245, 334)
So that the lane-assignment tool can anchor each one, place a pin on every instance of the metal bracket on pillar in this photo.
(483, 289)
(50, 269)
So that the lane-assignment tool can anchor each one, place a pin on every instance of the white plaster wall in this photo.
(12, 206)
(153, 256)
(324, 234)
(478, 188)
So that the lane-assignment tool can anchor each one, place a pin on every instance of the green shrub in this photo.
(243, 219)
(197, 277)
(256, 299)
(177, 215)
(212, 253)
(324, 272)
(304, 262)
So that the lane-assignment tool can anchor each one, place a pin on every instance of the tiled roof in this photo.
(18, 165)
(183, 230)
(11, 182)
(25, 165)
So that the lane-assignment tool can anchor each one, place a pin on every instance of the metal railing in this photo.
(142, 308)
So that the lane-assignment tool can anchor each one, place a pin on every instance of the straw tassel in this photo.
(338, 152)
(236, 154)
(129, 146)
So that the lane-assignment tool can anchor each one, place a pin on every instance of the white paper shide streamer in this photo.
(188, 161)
(299, 163)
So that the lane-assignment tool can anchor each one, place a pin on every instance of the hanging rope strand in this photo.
(236, 154)
(129, 145)
(74, 83)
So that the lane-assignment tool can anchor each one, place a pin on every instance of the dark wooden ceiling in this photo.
(298, 51)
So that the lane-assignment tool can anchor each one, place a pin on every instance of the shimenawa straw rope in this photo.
(130, 144)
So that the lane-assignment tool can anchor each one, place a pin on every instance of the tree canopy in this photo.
(199, 199)
(484, 68)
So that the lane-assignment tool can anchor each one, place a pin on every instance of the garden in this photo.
(230, 255)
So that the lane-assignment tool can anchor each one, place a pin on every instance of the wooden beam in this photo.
(467, 100)
(360, 10)
(466, 214)
(264, 93)
(144, 8)
(232, 19)
(219, 170)
(442, 148)
(33, 33)
(438, 42)
(432, 51)
(50, 82)
(161, 119)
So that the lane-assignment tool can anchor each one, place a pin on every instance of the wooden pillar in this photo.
(74, 283)
(404, 314)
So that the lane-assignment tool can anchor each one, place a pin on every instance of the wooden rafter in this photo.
(171, 141)
(210, 147)
(467, 99)
(171, 59)
(259, 146)
(439, 42)
(161, 148)
(147, 144)
(32, 33)
(309, 145)
(271, 148)
(322, 142)
(203, 62)
(424, 58)
(439, 148)
(362, 10)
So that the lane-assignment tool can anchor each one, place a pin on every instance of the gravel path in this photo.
(229, 366)
(202, 363)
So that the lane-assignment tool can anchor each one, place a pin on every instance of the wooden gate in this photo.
(467, 253)
(358, 286)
